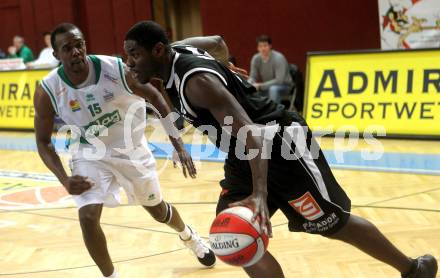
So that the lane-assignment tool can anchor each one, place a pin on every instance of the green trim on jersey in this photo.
(51, 95)
(96, 64)
(121, 72)
(63, 76)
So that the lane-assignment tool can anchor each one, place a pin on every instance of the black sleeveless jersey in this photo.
(189, 61)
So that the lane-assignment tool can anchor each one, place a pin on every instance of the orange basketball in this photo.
(235, 239)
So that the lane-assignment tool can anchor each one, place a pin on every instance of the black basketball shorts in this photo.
(301, 185)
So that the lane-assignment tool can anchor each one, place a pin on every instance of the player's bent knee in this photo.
(90, 215)
(340, 233)
(162, 212)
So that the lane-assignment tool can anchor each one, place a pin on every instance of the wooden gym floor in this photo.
(40, 235)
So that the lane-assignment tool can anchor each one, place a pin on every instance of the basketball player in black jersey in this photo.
(300, 184)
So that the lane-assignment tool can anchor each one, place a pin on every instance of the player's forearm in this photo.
(220, 51)
(259, 175)
(158, 101)
(177, 143)
(155, 98)
(52, 160)
(259, 166)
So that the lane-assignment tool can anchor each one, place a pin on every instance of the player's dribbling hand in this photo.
(258, 204)
(183, 158)
(76, 185)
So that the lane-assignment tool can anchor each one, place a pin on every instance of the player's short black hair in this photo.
(61, 29)
(264, 38)
(147, 34)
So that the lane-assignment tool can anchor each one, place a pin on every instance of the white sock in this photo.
(185, 234)
(114, 275)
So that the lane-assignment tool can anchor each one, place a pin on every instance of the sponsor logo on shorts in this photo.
(307, 207)
(323, 225)
(151, 197)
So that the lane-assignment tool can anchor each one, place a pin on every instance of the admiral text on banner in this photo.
(397, 90)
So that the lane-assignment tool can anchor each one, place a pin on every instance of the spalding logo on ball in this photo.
(235, 239)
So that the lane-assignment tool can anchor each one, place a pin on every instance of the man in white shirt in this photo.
(46, 58)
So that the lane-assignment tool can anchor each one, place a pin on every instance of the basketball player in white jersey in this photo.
(105, 109)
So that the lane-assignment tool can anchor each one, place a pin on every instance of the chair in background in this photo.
(294, 101)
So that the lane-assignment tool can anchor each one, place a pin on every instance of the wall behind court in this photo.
(104, 22)
(296, 27)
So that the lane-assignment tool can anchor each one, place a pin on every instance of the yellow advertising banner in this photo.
(396, 90)
(17, 90)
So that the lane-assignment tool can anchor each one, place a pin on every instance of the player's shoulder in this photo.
(189, 56)
(191, 52)
(182, 48)
(112, 67)
(53, 73)
(105, 59)
(52, 76)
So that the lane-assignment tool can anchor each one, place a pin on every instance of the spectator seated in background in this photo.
(46, 58)
(2, 54)
(270, 71)
(20, 50)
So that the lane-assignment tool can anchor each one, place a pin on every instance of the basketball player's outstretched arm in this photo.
(205, 90)
(152, 95)
(43, 123)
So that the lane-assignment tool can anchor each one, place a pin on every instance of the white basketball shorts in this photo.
(138, 179)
